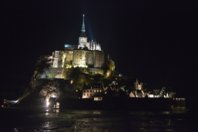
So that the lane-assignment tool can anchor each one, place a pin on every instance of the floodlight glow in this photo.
(53, 95)
(47, 103)
(67, 45)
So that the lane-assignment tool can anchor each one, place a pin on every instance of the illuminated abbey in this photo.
(87, 55)
(82, 73)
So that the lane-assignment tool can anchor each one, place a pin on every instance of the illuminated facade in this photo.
(93, 93)
(86, 54)
(83, 40)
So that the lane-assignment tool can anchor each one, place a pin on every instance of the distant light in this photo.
(53, 95)
(67, 46)
(47, 113)
(72, 81)
(97, 98)
(150, 95)
(56, 110)
(50, 57)
(11, 101)
(57, 105)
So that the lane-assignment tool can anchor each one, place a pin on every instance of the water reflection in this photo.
(56, 110)
(93, 120)
(111, 121)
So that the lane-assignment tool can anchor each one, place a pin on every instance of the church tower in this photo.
(82, 42)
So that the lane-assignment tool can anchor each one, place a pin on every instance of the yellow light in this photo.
(97, 98)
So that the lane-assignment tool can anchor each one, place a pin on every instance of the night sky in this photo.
(149, 40)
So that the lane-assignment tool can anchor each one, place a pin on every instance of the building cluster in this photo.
(94, 93)
(140, 92)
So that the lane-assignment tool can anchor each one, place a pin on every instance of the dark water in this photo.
(18, 120)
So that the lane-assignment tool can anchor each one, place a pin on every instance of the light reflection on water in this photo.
(93, 120)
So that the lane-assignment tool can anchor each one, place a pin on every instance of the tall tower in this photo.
(82, 41)
(83, 26)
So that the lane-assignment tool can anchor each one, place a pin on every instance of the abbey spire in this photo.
(83, 42)
(83, 24)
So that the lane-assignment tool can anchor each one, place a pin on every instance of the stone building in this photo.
(86, 54)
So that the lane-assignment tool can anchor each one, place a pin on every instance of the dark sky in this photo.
(154, 41)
